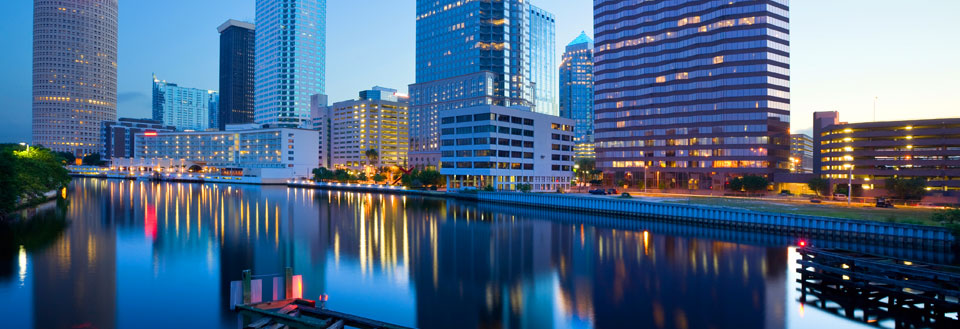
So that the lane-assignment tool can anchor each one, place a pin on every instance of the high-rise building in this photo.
(576, 92)
(543, 60)
(694, 92)
(236, 73)
(117, 137)
(290, 59)
(472, 53)
(801, 154)
(74, 72)
(320, 117)
(378, 120)
(182, 107)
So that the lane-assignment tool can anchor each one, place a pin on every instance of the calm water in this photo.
(160, 255)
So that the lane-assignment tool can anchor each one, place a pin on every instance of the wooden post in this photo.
(288, 282)
(246, 277)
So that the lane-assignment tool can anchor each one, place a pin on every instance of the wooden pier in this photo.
(876, 290)
(287, 308)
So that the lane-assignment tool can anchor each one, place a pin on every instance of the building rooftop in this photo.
(582, 38)
(233, 22)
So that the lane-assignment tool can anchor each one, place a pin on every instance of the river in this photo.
(125, 254)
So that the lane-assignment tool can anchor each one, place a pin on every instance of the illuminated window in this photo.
(661, 79)
(718, 60)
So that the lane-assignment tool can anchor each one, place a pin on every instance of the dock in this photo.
(287, 308)
(872, 290)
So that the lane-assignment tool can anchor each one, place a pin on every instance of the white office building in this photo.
(504, 147)
(246, 153)
(290, 52)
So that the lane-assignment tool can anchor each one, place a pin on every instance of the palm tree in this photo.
(372, 156)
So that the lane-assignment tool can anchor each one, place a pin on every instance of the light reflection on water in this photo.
(152, 255)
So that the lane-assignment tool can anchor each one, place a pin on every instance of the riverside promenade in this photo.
(800, 226)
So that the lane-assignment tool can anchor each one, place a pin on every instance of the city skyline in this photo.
(910, 80)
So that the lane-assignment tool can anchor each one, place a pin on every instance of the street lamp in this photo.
(25, 144)
(849, 182)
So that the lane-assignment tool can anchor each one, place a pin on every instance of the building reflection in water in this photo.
(424, 262)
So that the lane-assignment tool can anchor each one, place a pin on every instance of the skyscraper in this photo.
(543, 60)
(182, 107)
(290, 59)
(74, 72)
(470, 53)
(236, 73)
(576, 92)
(696, 94)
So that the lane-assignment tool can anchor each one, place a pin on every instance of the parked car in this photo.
(612, 191)
(599, 191)
(785, 193)
(840, 197)
(884, 203)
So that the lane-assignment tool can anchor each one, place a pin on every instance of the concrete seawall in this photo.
(798, 225)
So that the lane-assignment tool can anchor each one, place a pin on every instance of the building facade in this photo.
(118, 137)
(576, 92)
(378, 120)
(74, 73)
(236, 73)
(473, 53)
(320, 118)
(877, 151)
(543, 60)
(696, 98)
(290, 59)
(269, 154)
(182, 107)
(504, 147)
(801, 154)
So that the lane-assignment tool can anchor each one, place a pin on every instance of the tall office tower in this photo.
(236, 73)
(694, 92)
(181, 107)
(576, 92)
(543, 60)
(291, 41)
(74, 72)
(468, 53)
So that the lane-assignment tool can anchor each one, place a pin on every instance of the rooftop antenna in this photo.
(875, 108)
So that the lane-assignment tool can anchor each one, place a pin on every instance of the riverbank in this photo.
(801, 226)
(798, 225)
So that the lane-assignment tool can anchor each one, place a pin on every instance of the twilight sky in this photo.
(843, 53)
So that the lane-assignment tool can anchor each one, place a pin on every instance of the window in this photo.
(503, 130)
(516, 155)
(528, 144)
(446, 165)
(464, 118)
(527, 166)
(464, 164)
(447, 154)
(516, 143)
(516, 120)
(516, 131)
(448, 120)
(480, 141)
(528, 155)
(483, 153)
(447, 131)
(465, 141)
(527, 122)
(484, 117)
(464, 153)
(555, 137)
(528, 133)
(503, 118)
(504, 142)
(448, 142)
(503, 154)
(464, 130)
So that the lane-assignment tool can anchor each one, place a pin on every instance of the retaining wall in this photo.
(799, 225)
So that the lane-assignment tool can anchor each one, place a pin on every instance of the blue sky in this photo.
(843, 53)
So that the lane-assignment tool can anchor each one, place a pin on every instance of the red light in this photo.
(150, 133)
(803, 243)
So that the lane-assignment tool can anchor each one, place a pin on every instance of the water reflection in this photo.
(139, 254)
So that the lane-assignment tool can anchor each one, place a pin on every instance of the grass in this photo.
(902, 215)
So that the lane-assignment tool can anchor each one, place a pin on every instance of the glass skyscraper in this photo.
(543, 60)
(696, 92)
(236, 73)
(470, 53)
(290, 59)
(74, 73)
(183, 108)
(576, 92)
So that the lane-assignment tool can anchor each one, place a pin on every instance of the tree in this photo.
(736, 184)
(754, 183)
(67, 157)
(524, 187)
(93, 160)
(342, 175)
(379, 178)
(362, 177)
(322, 175)
(949, 216)
(431, 177)
(907, 188)
(27, 175)
(372, 156)
(819, 185)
